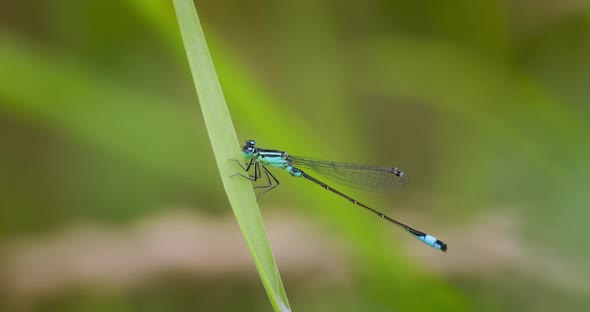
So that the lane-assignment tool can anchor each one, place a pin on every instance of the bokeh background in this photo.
(110, 199)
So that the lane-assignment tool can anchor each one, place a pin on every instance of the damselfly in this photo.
(368, 178)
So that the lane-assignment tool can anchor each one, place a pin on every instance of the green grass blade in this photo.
(225, 146)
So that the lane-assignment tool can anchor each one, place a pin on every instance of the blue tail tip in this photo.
(428, 239)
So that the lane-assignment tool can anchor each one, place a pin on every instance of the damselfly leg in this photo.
(271, 180)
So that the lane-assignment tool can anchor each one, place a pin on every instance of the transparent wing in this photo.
(362, 177)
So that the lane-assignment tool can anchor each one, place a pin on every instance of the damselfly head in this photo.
(249, 148)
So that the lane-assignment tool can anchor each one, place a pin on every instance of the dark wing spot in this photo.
(397, 172)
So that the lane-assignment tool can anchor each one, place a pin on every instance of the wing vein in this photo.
(363, 177)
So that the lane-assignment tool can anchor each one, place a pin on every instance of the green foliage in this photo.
(223, 139)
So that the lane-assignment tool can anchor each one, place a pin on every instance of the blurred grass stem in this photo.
(225, 146)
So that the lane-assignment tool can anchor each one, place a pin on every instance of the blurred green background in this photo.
(110, 199)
